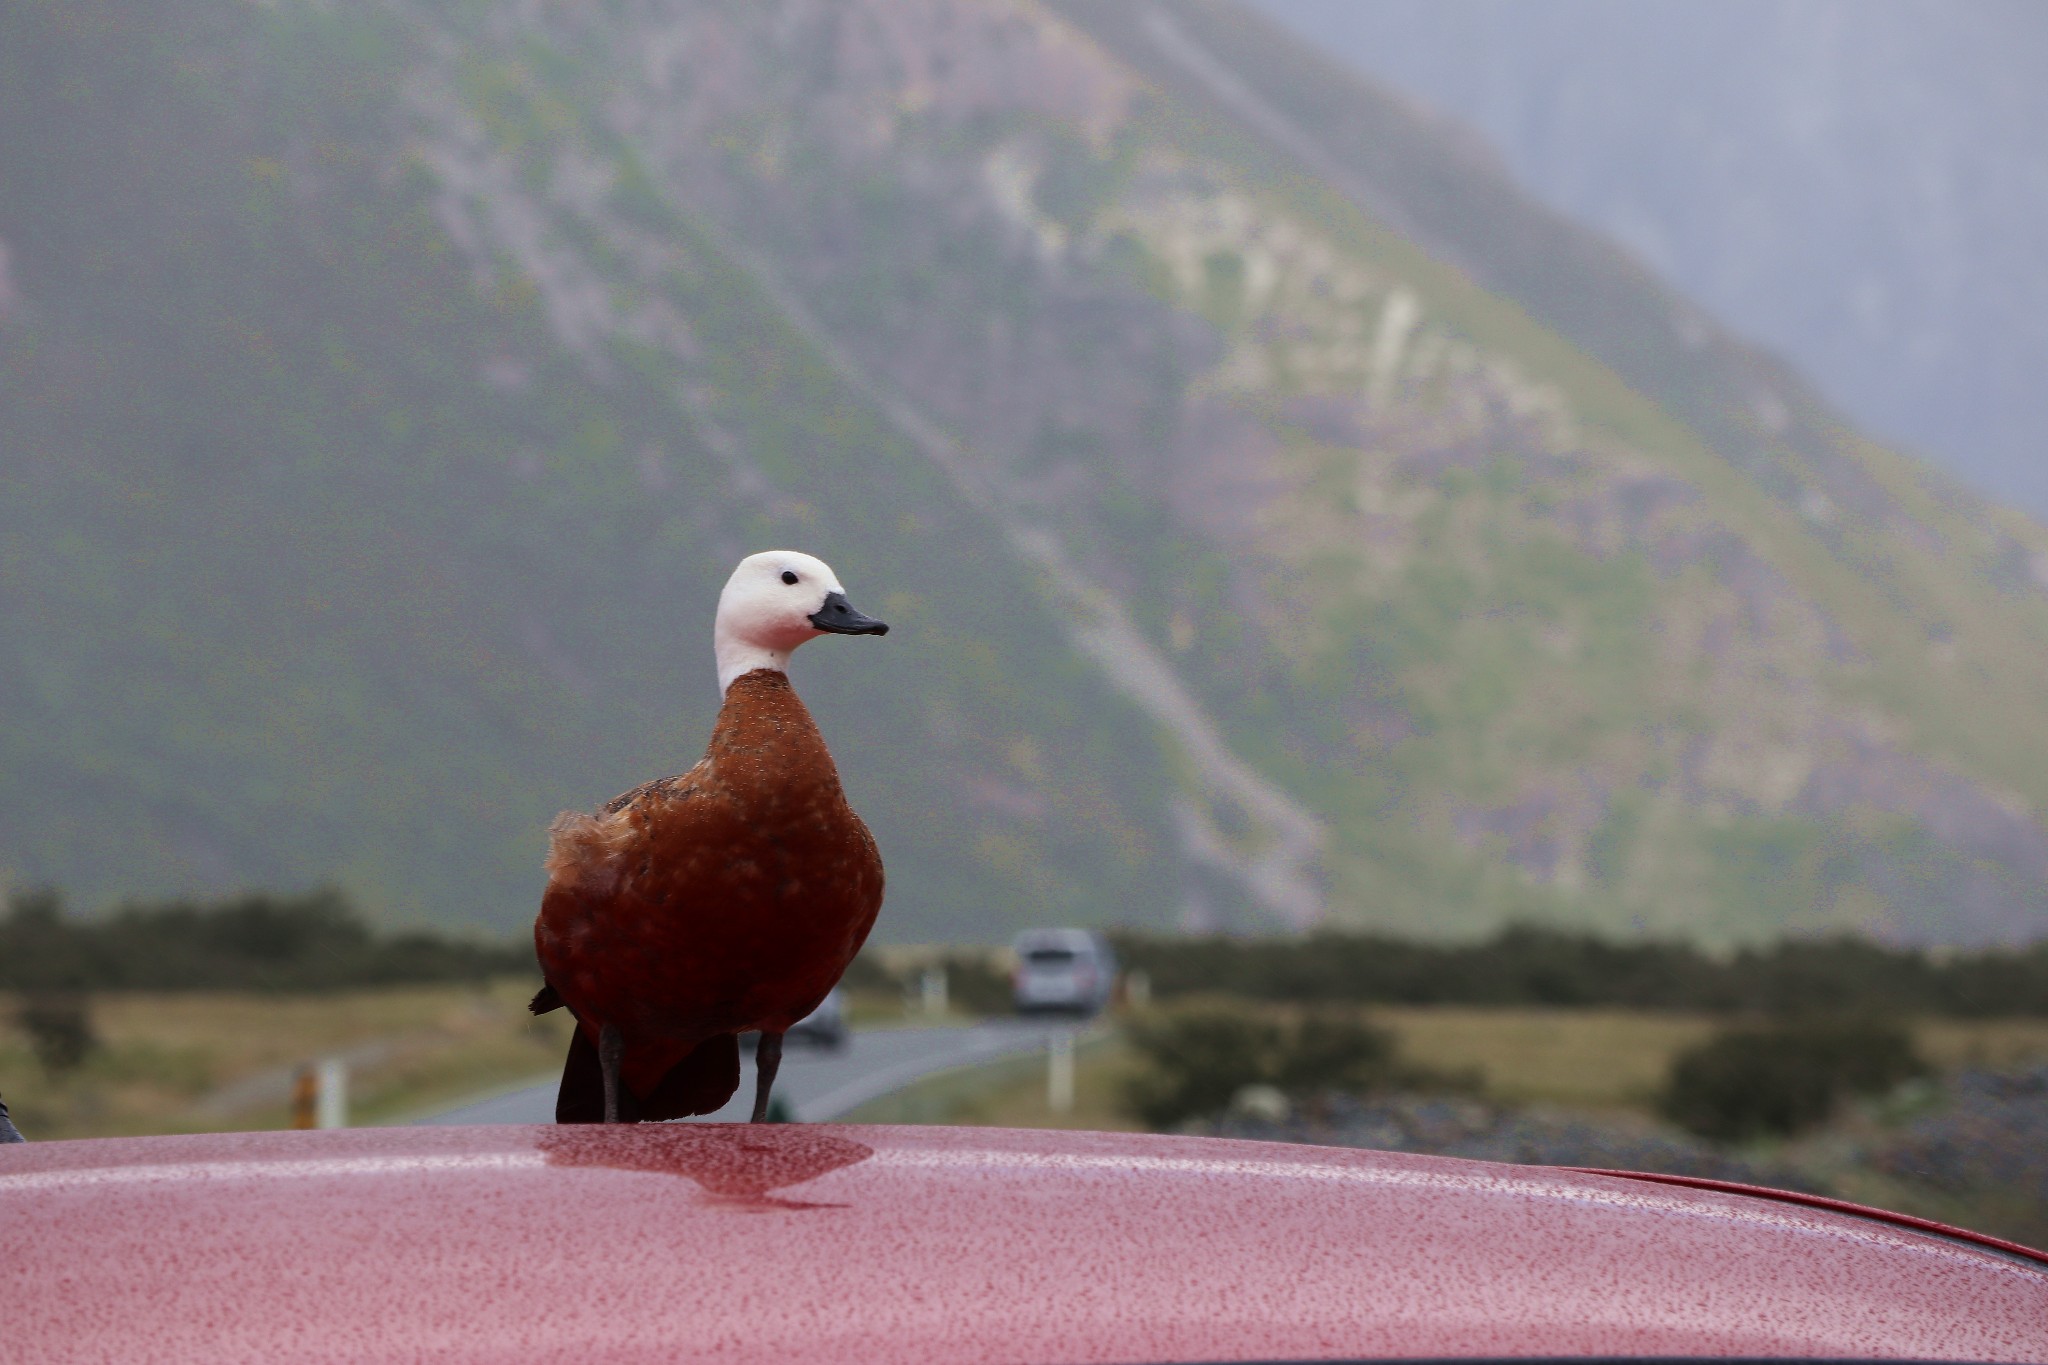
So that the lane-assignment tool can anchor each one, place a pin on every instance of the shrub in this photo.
(972, 984)
(314, 941)
(1774, 1081)
(866, 975)
(975, 986)
(60, 1031)
(1197, 1061)
(1524, 965)
(1334, 1052)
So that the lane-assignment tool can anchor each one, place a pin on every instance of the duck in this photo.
(726, 900)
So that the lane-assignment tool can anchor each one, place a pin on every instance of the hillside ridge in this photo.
(1274, 542)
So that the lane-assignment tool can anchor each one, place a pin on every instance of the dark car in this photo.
(825, 1026)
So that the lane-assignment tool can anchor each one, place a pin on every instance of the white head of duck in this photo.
(775, 601)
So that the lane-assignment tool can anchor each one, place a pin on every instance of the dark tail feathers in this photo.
(699, 1084)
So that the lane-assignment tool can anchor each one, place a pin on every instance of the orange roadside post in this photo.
(305, 1098)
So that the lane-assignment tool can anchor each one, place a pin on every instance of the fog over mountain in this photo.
(1861, 185)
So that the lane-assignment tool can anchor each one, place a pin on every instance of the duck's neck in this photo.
(765, 740)
(736, 658)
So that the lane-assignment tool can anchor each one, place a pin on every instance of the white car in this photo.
(1067, 971)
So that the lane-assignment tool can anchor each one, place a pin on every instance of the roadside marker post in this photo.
(1059, 1072)
(305, 1098)
(332, 1108)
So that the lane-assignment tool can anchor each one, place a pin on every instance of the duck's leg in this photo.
(767, 1060)
(611, 1049)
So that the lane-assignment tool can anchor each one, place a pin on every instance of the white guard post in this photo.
(332, 1106)
(1059, 1072)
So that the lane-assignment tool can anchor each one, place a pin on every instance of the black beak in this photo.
(838, 617)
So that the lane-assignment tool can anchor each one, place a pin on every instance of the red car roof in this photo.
(735, 1243)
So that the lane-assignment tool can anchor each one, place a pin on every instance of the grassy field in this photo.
(1011, 1093)
(210, 1062)
(1616, 1059)
(214, 1062)
(1612, 1060)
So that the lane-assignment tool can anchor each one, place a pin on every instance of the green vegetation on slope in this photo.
(330, 559)
(386, 393)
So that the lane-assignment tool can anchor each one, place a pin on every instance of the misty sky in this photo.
(1861, 185)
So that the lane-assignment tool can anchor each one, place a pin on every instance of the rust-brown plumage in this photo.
(696, 907)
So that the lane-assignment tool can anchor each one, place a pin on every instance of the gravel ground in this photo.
(1970, 1149)
(1989, 1136)
(1461, 1127)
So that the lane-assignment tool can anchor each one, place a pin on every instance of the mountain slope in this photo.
(1860, 183)
(385, 394)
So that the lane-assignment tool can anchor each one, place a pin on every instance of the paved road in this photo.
(816, 1084)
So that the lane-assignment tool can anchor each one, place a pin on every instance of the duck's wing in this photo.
(584, 847)
(660, 786)
(575, 837)
(581, 845)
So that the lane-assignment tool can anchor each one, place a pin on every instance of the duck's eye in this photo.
(788, 576)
